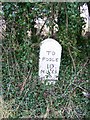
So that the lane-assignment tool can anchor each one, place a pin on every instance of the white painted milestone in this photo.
(49, 60)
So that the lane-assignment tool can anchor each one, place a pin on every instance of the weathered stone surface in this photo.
(49, 62)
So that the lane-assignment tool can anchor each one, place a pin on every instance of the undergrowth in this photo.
(25, 96)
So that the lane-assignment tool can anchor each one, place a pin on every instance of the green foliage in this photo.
(24, 95)
(70, 29)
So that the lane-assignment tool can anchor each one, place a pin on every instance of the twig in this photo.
(24, 82)
(47, 112)
(82, 67)
(86, 94)
(43, 26)
(52, 14)
(76, 86)
(21, 101)
(66, 18)
(72, 59)
(25, 79)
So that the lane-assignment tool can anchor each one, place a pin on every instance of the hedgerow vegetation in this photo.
(24, 95)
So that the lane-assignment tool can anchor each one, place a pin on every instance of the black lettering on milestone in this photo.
(48, 52)
(51, 66)
(42, 71)
(53, 53)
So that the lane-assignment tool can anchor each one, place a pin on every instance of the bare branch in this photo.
(74, 66)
